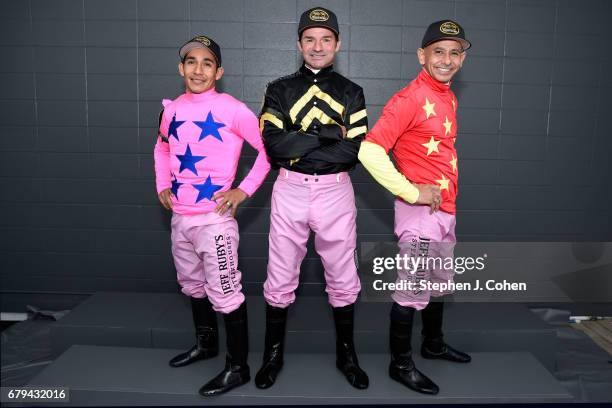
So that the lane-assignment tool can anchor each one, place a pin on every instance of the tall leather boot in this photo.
(433, 346)
(402, 368)
(236, 371)
(346, 357)
(276, 321)
(207, 334)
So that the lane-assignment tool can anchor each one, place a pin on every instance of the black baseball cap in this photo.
(201, 41)
(318, 17)
(445, 30)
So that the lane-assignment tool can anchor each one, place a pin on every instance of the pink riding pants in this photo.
(325, 205)
(205, 250)
(429, 237)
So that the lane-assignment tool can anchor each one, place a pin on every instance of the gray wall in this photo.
(81, 83)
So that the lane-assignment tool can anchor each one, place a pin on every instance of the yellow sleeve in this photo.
(379, 165)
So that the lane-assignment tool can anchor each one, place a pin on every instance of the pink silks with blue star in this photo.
(197, 153)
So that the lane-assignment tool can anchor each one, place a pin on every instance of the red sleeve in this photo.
(398, 115)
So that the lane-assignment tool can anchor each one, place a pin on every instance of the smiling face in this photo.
(199, 70)
(442, 59)
(318, 46)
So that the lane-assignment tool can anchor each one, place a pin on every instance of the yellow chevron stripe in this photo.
(357, 116)
(316, 113)
(270, 118)
(299, 105)
(331, 102)
(356, 132)
(314, 91)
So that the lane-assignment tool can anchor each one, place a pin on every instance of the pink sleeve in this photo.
(248, 127)
(161, 156)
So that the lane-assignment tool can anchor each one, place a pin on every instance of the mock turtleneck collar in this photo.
(324, 72)
(199, 97)
(432, 83)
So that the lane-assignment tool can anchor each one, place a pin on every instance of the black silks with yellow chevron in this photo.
(301, 121)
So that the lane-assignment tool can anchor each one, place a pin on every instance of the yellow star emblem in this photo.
(429, 108)
(432, 146)
(443, 183)
(447, 125)
(453, 163)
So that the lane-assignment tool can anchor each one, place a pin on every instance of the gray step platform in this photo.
(162, 320)
(134, 376)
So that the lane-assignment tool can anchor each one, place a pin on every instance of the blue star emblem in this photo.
(175, 187)
(206, 190)
(209, 127)
(173, 128)
(188, 161)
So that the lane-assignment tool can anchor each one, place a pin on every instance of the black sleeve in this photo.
(345, 150)
(159, 133)
(331, 133)
(283, 143)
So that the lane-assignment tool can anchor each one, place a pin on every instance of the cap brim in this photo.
(318, 25)
(192, 46)
(465, 44)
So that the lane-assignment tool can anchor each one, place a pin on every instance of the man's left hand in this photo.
(229, 200)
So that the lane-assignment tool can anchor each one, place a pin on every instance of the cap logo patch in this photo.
(203, 40)
(318, 15)
(449, 28)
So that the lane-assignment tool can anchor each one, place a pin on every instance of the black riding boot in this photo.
(236, 371)
(346, 357)
(276, 321)
(433, 346)
(402, 368)
(207, 334)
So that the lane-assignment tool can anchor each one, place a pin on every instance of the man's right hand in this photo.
(165, 198)
(429, 194)
(331, 133)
